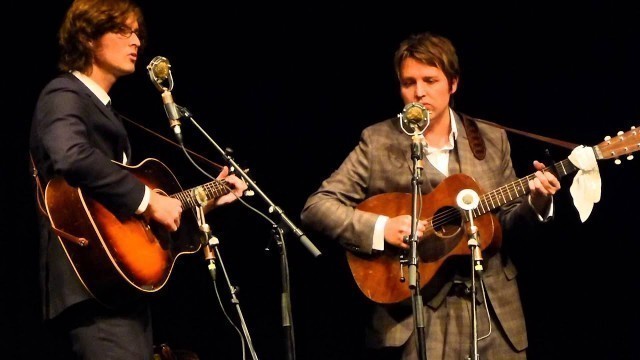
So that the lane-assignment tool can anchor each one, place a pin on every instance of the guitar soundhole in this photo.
(162, 235)
(447, 222)
(446, 233)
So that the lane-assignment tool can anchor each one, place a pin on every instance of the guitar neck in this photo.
(518, 188)
(193, 197)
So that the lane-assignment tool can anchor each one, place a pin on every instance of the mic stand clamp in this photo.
(209, 243)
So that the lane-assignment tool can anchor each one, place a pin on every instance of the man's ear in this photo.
(454, 86)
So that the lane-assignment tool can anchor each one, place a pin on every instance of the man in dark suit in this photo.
(75, 135)
(382, 162)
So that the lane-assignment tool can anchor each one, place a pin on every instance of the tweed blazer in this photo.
(83, 138)
(381, 163)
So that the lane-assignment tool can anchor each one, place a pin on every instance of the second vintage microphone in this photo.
(159, 72)
(416, 115)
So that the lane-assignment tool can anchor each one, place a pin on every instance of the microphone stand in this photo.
(272, 207)
(476, 267)
(287, 322)
(211, 252)
(417, 150)
(286, 300)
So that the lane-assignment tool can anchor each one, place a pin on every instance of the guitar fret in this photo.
(492, 197)
(480, 208)
(498, 195)
(212, 190)
(564, 171)
(522, 185)
(179, 197)
(192, 198)
(492, 204)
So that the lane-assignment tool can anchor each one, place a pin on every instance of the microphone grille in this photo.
(414, 114)
(161, 70)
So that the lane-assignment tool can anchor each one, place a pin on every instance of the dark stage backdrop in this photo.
(289, 89)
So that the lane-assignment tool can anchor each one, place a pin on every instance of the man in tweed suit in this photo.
(428, 73)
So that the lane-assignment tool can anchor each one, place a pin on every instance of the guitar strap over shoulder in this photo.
(39, 190)
(476, 142)
(40, 198)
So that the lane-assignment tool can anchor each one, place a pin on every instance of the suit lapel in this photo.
(111, 116)
(465, 155)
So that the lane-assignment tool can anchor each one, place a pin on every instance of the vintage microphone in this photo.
(159, 72)
(414, 120)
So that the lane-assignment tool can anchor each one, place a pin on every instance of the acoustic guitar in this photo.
(119, 259)
(381, 276)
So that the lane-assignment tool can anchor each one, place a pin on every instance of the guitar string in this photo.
(453, 213)
(218, 187)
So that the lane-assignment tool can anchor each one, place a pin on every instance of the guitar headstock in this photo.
(621, 144)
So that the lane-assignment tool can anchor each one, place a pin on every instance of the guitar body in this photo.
(379, 275)
(122, 258)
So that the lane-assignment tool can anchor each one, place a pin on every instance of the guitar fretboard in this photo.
(516, 189)
(211, 190)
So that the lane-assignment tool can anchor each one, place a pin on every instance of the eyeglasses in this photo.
(126, 31)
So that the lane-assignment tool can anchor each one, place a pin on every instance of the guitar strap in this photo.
(40, 199)
(39, 190)
(477, 144)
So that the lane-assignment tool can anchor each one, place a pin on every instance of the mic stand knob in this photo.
(474, 246)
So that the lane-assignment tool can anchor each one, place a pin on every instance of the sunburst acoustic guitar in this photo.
(118, 259)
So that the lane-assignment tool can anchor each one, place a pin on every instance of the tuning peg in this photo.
(617, 161)
(630, 157)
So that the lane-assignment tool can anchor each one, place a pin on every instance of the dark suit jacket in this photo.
(74, 135)
(381, 163)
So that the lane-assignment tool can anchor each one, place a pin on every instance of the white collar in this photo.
(93, 86)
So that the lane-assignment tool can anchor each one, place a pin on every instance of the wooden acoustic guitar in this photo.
(380, 276)
(119, 259)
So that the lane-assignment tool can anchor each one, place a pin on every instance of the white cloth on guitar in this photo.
(586, 185)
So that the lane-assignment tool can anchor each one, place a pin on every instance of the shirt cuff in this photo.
(378, 233)
(145, 201)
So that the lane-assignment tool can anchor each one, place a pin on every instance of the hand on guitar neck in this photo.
(237, 185)
(543, 185)
(166, 210)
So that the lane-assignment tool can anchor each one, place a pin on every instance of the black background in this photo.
(288, 89)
